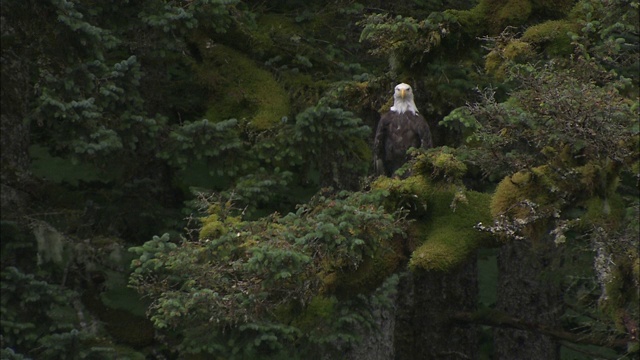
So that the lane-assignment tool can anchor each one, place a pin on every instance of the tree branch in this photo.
(592, 354)
(495, 318)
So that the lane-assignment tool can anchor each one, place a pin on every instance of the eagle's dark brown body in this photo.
(397, 132)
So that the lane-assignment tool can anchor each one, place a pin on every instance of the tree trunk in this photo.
(15, 164)
(524, 293)
(426, 302)
(378, 344)
(15, 95)
(420, 325)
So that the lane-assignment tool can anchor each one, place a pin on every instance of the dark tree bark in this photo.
(422, 324)
(15, 96)
(424, 327)
(378, 345)
(525, 293)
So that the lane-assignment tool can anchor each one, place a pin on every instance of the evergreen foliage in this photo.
(571, 130)
(42, 320)
(333, 141)
(259, 288)
(121, 118)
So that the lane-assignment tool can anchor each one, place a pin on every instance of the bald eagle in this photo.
(398, 130)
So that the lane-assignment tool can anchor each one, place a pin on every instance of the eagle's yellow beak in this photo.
(402, 93)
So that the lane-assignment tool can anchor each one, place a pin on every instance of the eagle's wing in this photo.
(379, 144)
(424, 132)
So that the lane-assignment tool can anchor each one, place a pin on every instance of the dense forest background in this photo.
(192, 179)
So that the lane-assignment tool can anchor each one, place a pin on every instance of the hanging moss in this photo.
(239, 88)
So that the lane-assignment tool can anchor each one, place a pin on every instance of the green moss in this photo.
(509, 192)
(590, 176)
(619, 299)
(319, 308)
(440, 164)
(598, 177)
(240, 88)
(586, 192)
(287, 33)
(448, 236)
(531, 185)
(494, 64)
(410, 194)
(513, 12)
(442, 235)
(498, 60)
(604, 212)
(493, 16)
(386, 260)
(472, 21)
(388, 257)
(554, 8)
(212, 227)
(273, 28)
(215, 225)
(552, 36)
(635, 266)
(514, 194)
(518, 51)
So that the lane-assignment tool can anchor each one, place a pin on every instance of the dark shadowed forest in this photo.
(194, 179)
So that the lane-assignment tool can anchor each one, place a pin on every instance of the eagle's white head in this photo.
(403, 99)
